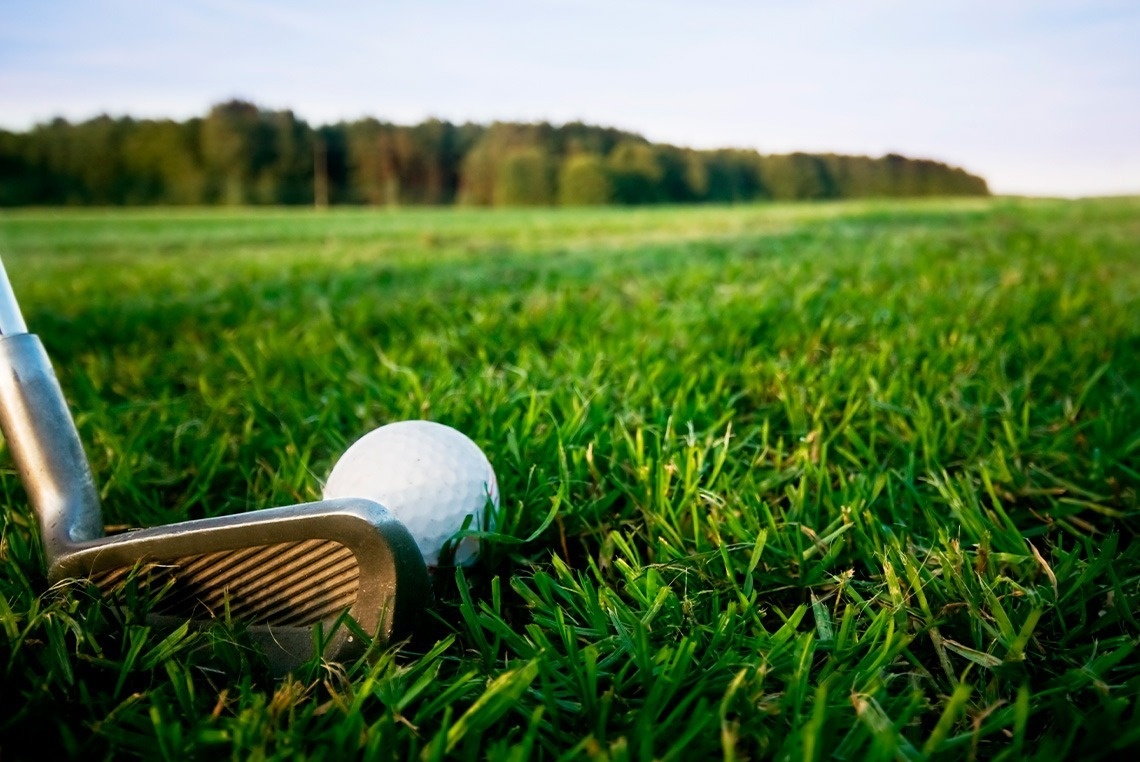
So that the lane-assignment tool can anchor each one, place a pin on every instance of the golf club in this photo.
(280, 570)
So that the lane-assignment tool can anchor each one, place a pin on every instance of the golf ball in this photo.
(430, 476)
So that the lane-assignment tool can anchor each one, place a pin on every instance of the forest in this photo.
(241, 154)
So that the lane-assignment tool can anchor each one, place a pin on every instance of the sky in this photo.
(1040, 97)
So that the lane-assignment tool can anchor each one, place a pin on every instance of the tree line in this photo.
(242, 154)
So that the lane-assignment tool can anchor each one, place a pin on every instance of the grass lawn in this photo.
(796, 481)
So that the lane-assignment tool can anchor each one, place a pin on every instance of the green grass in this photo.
(852, 480)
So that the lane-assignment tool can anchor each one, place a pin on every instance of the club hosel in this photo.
(45, 446)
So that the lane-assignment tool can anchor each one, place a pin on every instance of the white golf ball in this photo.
(430, 476)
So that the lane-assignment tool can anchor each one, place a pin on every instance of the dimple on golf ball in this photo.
(430, 476)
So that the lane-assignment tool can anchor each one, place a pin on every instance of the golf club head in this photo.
(281, 570)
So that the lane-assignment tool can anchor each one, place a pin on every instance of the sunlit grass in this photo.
(853, 480)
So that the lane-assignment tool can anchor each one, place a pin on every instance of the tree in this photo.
(636, 173)
(163, 162)
(584, 181)
(367, 162)
(734, 176)
(240, 154)
(797, 176)
(19, 182)
(526, 178)
(285, 174)
(479, 179)
(233, 147)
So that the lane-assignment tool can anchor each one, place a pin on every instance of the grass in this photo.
(799, 482)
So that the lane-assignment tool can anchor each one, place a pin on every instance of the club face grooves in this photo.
(293, 584)
(278, 572)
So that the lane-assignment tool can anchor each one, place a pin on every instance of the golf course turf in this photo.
(853, 480)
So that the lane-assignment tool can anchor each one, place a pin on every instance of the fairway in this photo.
(796, 481)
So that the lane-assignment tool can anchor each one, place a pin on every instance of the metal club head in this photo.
(282, 571)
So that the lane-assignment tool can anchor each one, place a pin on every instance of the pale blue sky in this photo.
(1038, 96)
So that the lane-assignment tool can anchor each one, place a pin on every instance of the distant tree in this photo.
(479, 179)
(899, 175)
(525, 178)
(674, 165)
(797, 176)
(98, 160)
(478, 176)
(584, 181)
(853, 176)
(399, 165)
(164, 165)
(285, 175)
(696, 175)
(965, 184)
(405, 168)
(19, 182)
(334, 137)
(576, 137)
(440, 146)
(242, 154)
(367, 162)
(45, 155)
(233, 147)
(636, 173)
(733, 176)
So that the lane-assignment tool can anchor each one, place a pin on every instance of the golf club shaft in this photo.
(11, 321)
(41, 436)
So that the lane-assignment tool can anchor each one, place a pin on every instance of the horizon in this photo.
(1040, 99)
